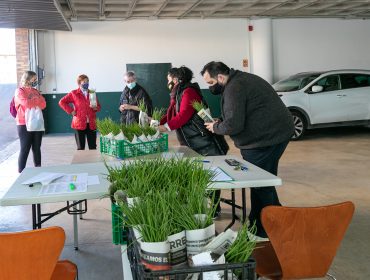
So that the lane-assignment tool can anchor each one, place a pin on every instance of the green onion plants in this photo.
(242, 247)
(158, 113)
(151, 216)
(105, 126)
(198, 106)
(142, 106)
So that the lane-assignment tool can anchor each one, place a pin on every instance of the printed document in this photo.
(68, 183)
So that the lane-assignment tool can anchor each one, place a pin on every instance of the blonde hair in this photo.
(26, 78)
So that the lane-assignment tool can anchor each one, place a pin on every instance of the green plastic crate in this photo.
(124, 149)
(119, 233)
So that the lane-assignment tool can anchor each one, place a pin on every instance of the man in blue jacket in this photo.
(256, 120)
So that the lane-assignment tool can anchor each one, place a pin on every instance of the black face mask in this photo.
(216, 89)
(170, 85)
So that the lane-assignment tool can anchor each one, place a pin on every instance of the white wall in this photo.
(319, 44)
(102, 49)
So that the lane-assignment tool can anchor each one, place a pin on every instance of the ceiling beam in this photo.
(60, 10)
(359, 13)
(274, 7)
(329, 6)
(245, 7)
(163, 5)
(300, 7)
(218, 7)
(71, 8)
(334, 11)
(101, 8)
(131, 8)
(190, 9)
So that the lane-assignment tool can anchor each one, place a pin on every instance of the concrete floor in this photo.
(328, 166)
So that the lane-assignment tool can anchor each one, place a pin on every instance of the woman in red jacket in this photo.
(27, 97)
(84, 114)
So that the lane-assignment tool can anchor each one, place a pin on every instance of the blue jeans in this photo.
(266, 158)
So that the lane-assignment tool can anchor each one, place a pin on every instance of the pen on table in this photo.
(206, 161)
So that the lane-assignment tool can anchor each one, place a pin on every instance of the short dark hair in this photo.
(173, 72)
(183, 74)
(214, 68)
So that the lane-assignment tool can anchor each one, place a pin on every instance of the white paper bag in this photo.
(143, 118)
(34, 119)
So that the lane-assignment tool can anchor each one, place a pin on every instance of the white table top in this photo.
(19, 194)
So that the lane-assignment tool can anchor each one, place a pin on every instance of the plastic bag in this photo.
(12, 109)
(34, 119)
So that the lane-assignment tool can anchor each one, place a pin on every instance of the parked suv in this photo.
(326, 99)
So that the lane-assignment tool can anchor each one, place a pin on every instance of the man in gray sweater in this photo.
(256, 120)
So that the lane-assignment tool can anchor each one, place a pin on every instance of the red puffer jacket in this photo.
(81, 105)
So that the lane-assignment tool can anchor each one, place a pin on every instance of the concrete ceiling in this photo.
(32, 14)
(57, 14)
(183, 9)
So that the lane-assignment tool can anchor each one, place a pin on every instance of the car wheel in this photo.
(300, 125)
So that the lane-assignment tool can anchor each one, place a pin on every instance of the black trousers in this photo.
(28, 140)
(82, 135)
(266, 158)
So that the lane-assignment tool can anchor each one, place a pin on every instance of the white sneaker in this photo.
(256, 238)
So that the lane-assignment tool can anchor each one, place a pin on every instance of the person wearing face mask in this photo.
(182, 117)
(83, 113)
(27, 97)
(256, 120)
(132, 95)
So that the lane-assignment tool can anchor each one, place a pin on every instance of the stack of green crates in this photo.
(119, 234)
(124, 149)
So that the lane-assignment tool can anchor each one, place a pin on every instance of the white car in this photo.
(326, 99)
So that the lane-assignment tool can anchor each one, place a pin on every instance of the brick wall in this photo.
(22, 52)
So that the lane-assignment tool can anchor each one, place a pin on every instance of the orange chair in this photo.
(34, 255)
(303, 240)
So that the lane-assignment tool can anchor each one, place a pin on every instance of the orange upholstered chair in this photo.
(303, 240)
(34, 255)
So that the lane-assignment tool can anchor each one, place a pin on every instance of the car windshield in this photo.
(295, 82)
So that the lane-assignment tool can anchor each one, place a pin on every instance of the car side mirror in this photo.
(315, 89)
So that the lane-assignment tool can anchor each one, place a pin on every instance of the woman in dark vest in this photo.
(182, 117)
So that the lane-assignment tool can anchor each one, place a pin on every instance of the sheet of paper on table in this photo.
(63, 184)
(221, 176)
(44, 178)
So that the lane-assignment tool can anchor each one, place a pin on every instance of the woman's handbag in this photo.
(34, 119)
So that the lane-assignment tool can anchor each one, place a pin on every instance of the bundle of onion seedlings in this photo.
(107, 125)
(151, 215)
(158, 113)
(242, 248)
(198, 106)
(142, 106)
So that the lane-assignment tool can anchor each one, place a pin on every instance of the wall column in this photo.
(261, 56)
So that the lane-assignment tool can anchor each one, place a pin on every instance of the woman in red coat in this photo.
(77, 103)
(27, 97)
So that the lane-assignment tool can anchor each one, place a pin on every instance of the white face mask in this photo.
(131, 85)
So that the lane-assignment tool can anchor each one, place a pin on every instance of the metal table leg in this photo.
(233, 206)
(75, 230)
(34, 214)
(244, 206)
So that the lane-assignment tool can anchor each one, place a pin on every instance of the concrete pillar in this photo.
(261, 53)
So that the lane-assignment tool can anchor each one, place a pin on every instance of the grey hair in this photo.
(26, 78)
(130, 74)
